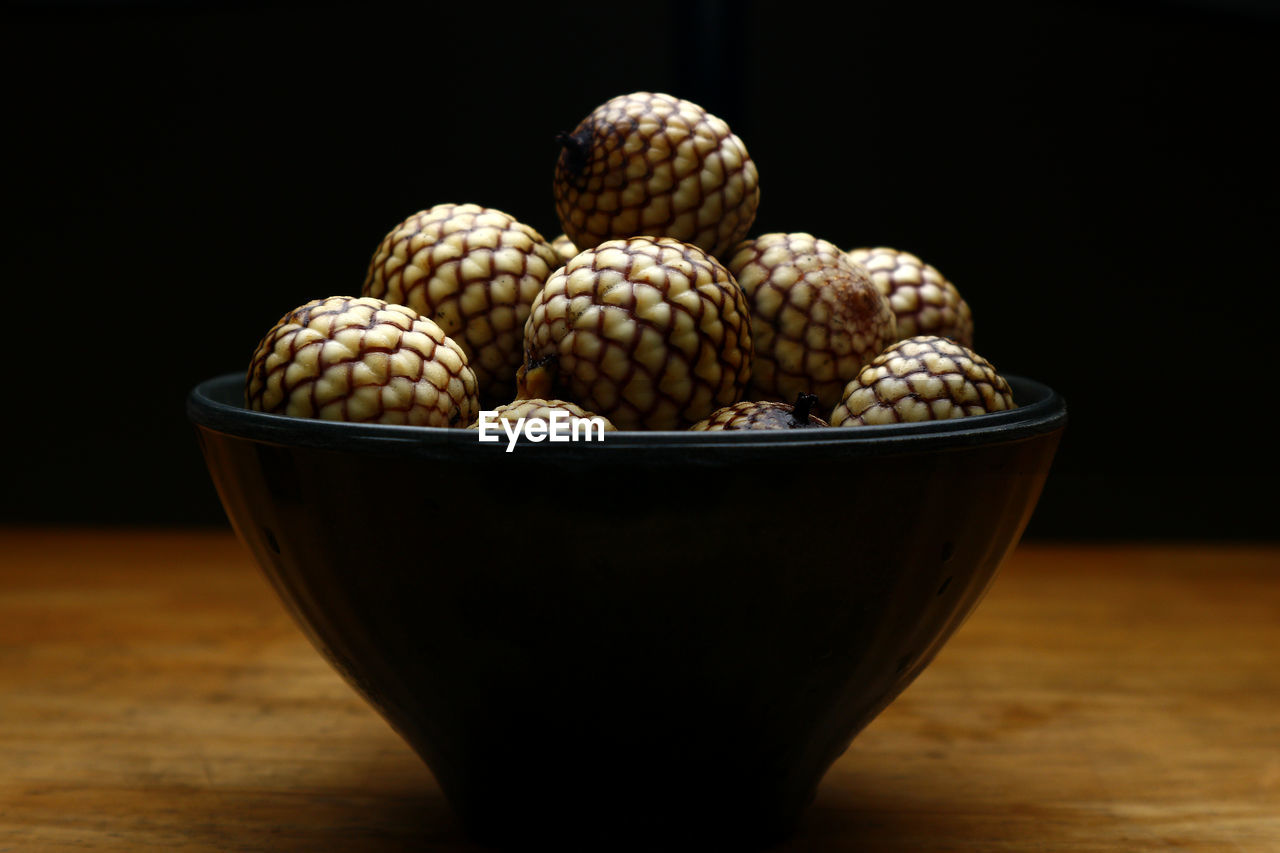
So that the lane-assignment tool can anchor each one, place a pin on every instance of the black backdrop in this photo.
(1092, 177)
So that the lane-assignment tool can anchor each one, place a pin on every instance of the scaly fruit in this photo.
(816, 317)
(541, 410)
(654, 165)
(565, 250)
(348, 358)
(923, 301)
(764, 415)
(650, 333)
(925, 378)
(474, 271)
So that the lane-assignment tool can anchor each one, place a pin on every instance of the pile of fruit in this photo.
(652, 311)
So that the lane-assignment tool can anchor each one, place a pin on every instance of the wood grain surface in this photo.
(154, 695)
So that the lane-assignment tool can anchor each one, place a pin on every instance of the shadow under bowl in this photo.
(667, 635)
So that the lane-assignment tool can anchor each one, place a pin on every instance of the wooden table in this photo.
(154, 695)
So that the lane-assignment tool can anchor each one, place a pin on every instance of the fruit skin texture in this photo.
(565, 250)
(474, 271)
(649, 164)
(923, 300)
(816, 317)
(925, 378)
(759, 415)
(541, 410)
(361, 359)
(649, 333)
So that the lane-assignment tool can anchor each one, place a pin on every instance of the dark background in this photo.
(1091, 176)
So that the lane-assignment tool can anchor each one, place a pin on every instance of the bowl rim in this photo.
(216, 405)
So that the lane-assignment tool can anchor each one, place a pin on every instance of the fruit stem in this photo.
(576, 148)
(804, 405)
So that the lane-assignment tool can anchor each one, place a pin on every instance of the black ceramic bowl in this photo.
(665, 635)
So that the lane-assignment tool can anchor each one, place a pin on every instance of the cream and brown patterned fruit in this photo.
(348, 358)
(923, 301)
(764, 415)
(565, 250)
(474, 271)
(816, 317)
(650, 333)
(654, 165)
(541, 410)
(925, 378)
